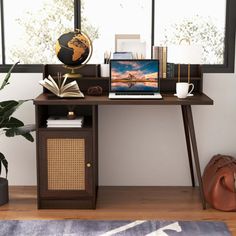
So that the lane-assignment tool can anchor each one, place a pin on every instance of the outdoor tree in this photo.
(42, 27)
(200, 31)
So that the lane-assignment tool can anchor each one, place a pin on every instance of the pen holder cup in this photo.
(105, 70)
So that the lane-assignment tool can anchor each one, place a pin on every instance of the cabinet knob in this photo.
(89, 165)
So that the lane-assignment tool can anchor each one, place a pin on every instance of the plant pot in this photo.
(4, 195)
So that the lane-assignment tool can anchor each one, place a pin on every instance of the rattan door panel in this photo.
(66, 164)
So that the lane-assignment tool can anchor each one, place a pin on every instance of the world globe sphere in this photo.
(73, 48)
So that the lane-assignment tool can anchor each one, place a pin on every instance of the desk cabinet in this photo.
(67, 159)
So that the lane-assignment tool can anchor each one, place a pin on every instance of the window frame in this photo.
(229, 52)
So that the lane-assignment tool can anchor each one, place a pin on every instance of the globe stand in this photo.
(73, 74)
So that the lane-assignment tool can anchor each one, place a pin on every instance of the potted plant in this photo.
(10, 126)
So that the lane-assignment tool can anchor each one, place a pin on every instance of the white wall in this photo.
(145, 145)
(138, 145)
(19, 152)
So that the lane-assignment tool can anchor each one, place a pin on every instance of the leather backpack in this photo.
(219, 182)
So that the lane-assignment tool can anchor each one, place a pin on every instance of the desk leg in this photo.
(195, 152)
(188, 143)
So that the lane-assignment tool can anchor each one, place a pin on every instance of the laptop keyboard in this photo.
(133, 96)
(133, 93)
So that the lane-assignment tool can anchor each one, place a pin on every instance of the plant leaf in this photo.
(7, 108)
(23, 131)
(10, 104)
(28, 136)
(7, 77)
(27, 128)
(4, 162)
(7, 105)
(12, 123)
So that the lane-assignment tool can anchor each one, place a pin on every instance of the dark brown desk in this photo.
(45, 101)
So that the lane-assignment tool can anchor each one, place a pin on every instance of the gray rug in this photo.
(107, 228)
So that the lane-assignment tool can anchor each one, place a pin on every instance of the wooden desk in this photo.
(48, 104)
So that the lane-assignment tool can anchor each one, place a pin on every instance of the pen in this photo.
(107, 57)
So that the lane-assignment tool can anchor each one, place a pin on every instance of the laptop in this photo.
(134, 79)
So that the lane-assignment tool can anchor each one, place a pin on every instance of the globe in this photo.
(74, 48)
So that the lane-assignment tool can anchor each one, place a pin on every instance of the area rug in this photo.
(108, 228)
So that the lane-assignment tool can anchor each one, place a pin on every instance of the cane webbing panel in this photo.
(66, 164)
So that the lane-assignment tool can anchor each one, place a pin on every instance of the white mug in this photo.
(105, 70)
(182, 89)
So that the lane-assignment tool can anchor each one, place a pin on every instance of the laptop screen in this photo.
(134, 75)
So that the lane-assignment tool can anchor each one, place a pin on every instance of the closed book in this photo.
(64, 120)
(160, 53)
(155, 52)
(64, 125)
(170, 70)
(164, 62)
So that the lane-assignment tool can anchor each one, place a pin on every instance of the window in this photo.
(33, 28)
(30, 28)
(192, 21)
(129, 17)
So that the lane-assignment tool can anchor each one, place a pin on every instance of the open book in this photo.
(62, 89)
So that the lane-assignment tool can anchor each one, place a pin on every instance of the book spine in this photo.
(164, 62)
(160, 53)
(64, 126)
(170, 70)
(155, 52)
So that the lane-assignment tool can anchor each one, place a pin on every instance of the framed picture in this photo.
(122, 39)
(130, 43)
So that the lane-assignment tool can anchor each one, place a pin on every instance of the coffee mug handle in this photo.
(191, 88)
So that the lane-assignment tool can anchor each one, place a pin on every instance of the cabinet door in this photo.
(65, 164)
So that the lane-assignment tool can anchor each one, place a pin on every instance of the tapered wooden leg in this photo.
(188, 143)
(195, 152)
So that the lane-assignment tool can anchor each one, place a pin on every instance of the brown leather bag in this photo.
(219, 183)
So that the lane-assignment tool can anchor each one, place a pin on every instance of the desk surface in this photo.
(168, 99)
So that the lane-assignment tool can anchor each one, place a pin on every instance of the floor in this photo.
(169, 203)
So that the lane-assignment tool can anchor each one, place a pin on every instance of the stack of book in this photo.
(64, 122)
(160, 53)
